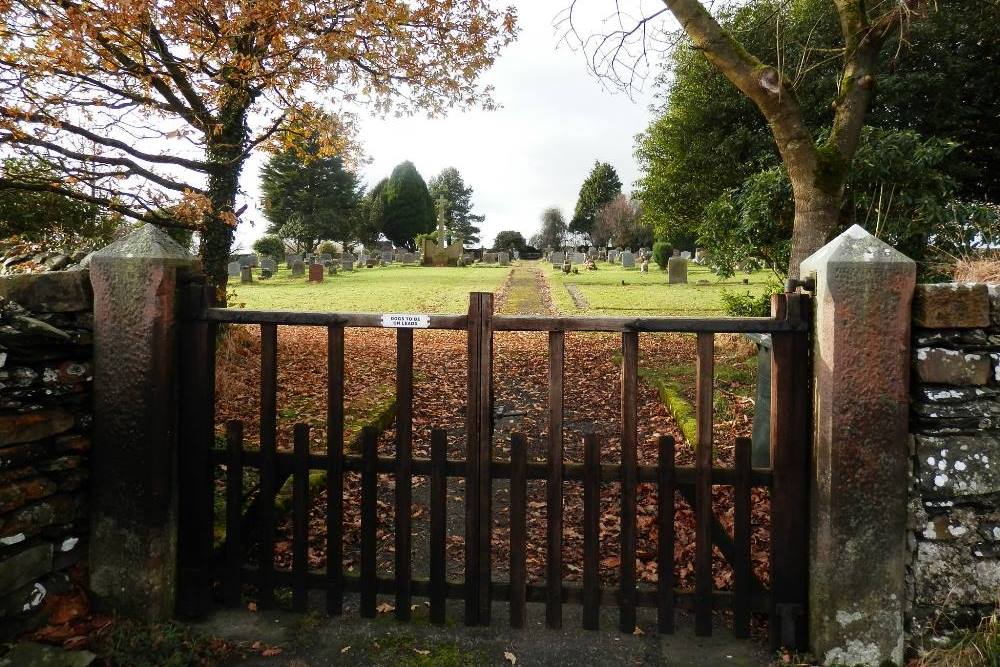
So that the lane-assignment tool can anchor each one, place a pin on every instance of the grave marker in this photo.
(234, 269)
(246, 274)
(677, 271)
(298, 268)
(628, 260)
(315, 273)
(504, 259)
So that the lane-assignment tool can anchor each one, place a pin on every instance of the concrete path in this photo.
(315, 641)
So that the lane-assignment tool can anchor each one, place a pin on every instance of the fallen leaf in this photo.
(510, 657)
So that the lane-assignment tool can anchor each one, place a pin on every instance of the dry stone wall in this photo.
(46, 325)
(954, 536)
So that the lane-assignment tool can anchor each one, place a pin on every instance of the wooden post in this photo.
(268, 458)
(196, 433)
(404, 464)
(518, 527)
(791, 409)
(479, 454)
(439, 526)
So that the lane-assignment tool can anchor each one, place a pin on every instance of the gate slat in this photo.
(741, 537)
(703, 484)
(472, 429)
(300, 518)
(518, 528)
(439, 526)
(268, 447)
(629, 481)
(335, 471)
(404, 463)
(485, 456)
(234, 508)
(591, 531)
(553, 485)
(665, 546)
(369, 518)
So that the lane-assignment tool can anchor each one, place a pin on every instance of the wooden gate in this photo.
(207, 574)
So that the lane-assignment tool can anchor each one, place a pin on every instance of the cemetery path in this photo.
(525, 292)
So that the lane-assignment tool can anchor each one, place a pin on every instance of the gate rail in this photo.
(787, 478)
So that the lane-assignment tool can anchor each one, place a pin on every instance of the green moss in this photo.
(402, 649)
(831, 169)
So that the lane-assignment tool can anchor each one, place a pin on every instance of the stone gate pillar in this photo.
(133, 483)
(863, 291)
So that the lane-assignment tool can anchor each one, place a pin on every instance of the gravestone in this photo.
(370, 262)
(686, 254)
(291, 259)
(557, 258)
(579, 258)
(266, 273)
(234, 269)
(677, 271)
(504, 259)
(628, 260)
(325, 257)
(676, 253)
(268, 264)
(246, 274)
(298, 268)
(644, 267)
(347, 264)
(315, 273)
(612, 256)
(387, 257)
(331, 268)
(308, 259)
(593, 253)
(489, 258)
(700, 255)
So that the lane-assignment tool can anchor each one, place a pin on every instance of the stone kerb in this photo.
(133, 507)
(863, 292)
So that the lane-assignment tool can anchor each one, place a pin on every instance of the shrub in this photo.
(326, 247)
(270, 246)
(661, 254)
(746, 304)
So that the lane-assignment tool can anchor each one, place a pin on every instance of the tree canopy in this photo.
(156, 105)
(601, 186)
(509, 241)
(771, 51)
(403, 206)
(552, 233)
(712, 172)
(455, 199)
(309, 197)
(50, 217)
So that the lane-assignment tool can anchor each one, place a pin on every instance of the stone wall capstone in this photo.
(46, 369)
(954, 524)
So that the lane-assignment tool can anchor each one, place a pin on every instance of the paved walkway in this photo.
(314, 641)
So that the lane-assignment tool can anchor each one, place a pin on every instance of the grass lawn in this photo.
(389, 289)
(647, 293)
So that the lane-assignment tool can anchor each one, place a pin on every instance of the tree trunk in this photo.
(817, 217)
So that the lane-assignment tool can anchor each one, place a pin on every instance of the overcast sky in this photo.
(556, 120)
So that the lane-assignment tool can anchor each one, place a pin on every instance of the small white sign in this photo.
(406, 321)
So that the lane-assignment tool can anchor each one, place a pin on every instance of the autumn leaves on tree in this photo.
(151, 109)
